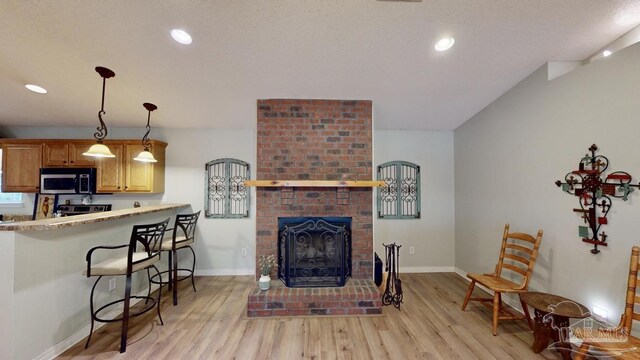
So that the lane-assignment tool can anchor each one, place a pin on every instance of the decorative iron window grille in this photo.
(399, 198)
(225, 193)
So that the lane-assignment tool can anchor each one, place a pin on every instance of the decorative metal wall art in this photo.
(225, 193)
(399, 198)
(594, 191)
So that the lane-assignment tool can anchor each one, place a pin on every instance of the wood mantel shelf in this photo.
(314, 183)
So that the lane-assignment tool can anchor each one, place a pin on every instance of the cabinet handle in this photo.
(71, 161)
(65, 161)
(118, 187)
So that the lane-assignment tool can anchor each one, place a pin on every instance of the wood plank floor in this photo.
(212, 324)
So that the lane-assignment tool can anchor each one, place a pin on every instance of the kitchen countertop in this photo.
(68, 221)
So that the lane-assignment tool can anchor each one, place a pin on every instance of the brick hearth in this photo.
(358, 297)
(315, 140)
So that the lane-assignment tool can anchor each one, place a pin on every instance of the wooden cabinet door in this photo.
(55, 154)
(138, 175)
(76, 158)
(110, 171)
(21, 167)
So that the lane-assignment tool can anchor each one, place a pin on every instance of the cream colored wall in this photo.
(432, 236)
(508, 156)
(7, 272)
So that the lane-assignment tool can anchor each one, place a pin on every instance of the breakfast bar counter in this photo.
(44, 297)
(62, 222)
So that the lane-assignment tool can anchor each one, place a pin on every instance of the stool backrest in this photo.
(149, 236)
(185, 227)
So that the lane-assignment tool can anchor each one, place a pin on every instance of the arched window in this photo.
(225, 193)
(400, 197)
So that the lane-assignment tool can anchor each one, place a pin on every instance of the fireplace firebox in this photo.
(314, 251)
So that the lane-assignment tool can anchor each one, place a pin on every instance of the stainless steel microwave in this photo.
(67, 180)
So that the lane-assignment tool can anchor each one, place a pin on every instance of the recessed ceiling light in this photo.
(181, 36)
(36, 88)
(606, 53)
(444, 44)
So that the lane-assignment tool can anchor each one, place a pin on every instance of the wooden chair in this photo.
(521, 253)
(618, 341)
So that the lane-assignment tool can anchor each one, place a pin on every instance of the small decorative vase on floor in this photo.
(264, 283)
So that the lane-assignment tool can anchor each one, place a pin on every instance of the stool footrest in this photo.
(180, 277)
(149, 306)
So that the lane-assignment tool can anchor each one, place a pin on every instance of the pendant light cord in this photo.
(102, 129)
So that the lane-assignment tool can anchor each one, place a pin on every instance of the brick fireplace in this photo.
(315, 140)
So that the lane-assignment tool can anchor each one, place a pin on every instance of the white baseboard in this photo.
(510, 299)
(426, 269)
(223, 272)
(67, 343)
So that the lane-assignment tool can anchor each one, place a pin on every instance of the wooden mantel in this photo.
(314, 183)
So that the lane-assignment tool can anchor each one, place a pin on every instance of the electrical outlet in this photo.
(112, 284)
(412, 250)
(243, 251)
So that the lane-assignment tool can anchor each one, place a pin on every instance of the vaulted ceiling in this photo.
(244, 50)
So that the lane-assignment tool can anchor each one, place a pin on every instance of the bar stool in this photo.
(137, 258)
(182, 237)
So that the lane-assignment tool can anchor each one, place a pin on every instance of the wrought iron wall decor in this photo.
(594, 191)
(399, 198)
(225, 193)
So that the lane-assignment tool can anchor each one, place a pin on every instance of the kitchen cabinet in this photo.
(23, 158)
(123, 174)
(110, 171)
(21, 164)
(67, 154)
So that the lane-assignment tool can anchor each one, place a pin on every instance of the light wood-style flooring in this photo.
(212, 324)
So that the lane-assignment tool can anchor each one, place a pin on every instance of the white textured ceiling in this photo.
(244, 50)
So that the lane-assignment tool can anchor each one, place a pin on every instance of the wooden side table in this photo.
(552, 313)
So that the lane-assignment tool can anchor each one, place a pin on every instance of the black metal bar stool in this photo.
(142, 254)
(182, 237)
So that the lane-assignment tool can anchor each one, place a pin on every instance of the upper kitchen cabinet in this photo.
(21, 164)
(110, 171)
(123, 174)
(22, 160)
(67, 153)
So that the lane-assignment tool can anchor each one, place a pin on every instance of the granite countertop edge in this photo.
(69, 221)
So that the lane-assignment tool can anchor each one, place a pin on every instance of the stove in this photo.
(70, 210)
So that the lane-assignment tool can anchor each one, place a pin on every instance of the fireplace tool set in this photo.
(393, 289)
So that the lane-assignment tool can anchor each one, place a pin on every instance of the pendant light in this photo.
(99, 149)
(146, 155)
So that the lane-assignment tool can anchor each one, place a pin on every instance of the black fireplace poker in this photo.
(393, 287)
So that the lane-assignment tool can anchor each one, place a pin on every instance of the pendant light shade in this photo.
(99, 149)
(146, 155)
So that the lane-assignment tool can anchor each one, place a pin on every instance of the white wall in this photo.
(219, 241)
(508, 156)
(433, 234)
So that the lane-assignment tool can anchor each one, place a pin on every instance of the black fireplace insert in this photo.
(314, 251)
